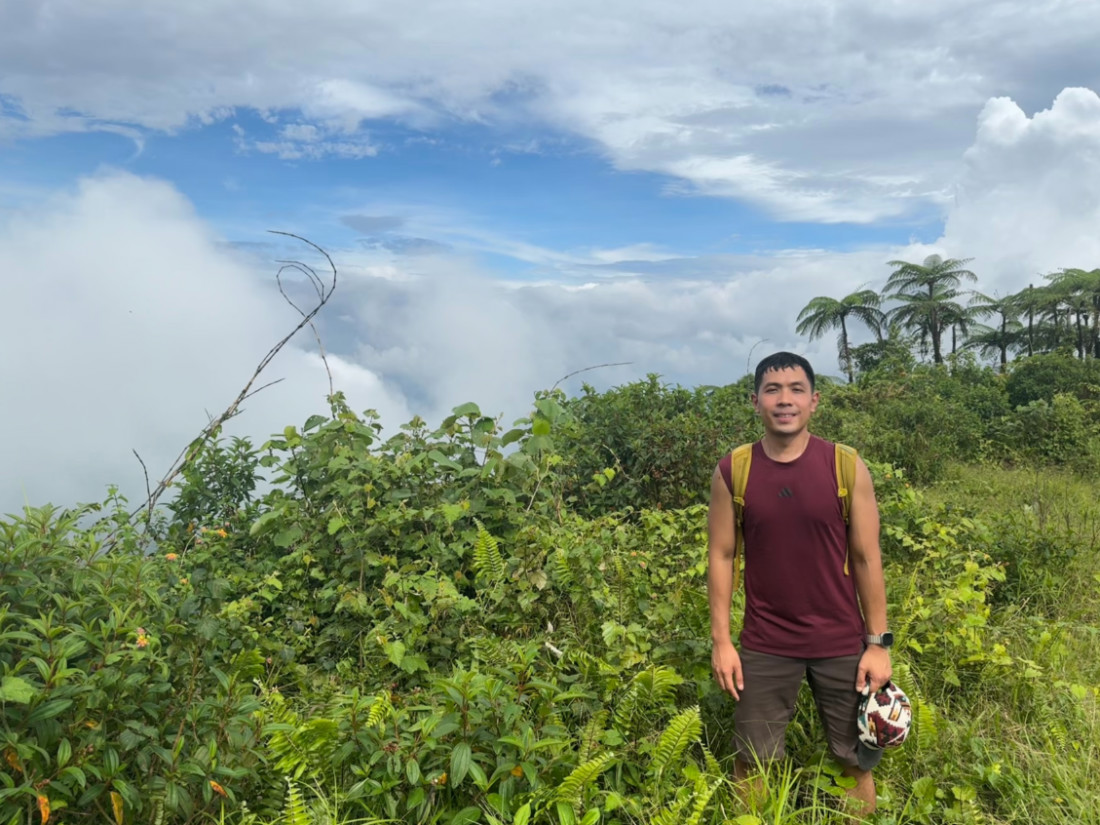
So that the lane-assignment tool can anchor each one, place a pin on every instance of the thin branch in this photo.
(145, 470)
(748, 358)
(316, 281)
(264, 387)
(586, 369)
(189, 453)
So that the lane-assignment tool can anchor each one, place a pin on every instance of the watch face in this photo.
(887, 639)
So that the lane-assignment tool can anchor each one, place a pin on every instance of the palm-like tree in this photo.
(996, 340)
(1030, 302)
(1006, 334)
(1078, 291)
(927, 293)
(928, 314)
(823, 314)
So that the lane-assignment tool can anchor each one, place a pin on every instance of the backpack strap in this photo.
(845, 482)
(740, 461)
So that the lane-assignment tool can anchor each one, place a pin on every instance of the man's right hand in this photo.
(726, 664)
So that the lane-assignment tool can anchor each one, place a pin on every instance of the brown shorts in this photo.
(768, 702)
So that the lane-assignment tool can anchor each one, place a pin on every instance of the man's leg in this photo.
(833, 682)
(761, 717)
(749, 787)
(864, 791)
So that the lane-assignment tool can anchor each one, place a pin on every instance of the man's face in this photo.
(785, 401)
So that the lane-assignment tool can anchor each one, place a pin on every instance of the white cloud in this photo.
(841, 111)
(1028, 202)
(131, 318)
(298, 141)
(128, 321)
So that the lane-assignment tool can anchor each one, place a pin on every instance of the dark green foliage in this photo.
(1041, 377)
(119, 678)
(473, 622)
(662, 442)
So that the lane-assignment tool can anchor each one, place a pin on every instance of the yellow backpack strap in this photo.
(740, 461)
(845, 482)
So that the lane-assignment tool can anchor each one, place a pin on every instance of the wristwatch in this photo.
(882, 639)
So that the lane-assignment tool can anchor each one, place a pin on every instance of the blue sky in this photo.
(510, 191)
(547, 189)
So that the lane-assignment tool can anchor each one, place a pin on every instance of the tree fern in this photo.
(572, 789)
(488, 563)
(684, 730)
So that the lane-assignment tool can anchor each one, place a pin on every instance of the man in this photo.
(815, 599)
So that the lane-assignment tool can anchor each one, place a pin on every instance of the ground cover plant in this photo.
(475, 622)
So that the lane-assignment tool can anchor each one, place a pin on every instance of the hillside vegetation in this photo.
(479, 623)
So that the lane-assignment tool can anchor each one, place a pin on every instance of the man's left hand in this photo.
(874, 666)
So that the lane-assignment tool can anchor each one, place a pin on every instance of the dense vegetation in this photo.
(473, 623)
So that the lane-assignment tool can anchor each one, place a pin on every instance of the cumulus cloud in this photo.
(132, 319)
(1028, 202)
(128, 322)
(846, 111)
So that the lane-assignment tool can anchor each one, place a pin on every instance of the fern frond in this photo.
(672, 814)
(713, 768)
(563, 571)
(684, 730)
(926, 715)
(583, 775)
(591, 735)
(294, 809)
(488, 563)
(380, 711)
(703, 792)
(626, 709)
(657, 685)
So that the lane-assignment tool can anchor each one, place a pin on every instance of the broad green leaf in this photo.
(412, 771)
(467, 816)
(395, 651)
(460, 762)
(16, 689)
(314, 421)
(469, 408)
(335, 524)
(541, 427)
(441, 459)
(522, 815)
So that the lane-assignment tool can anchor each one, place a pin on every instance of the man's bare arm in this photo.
(725, 661)
(866, 567)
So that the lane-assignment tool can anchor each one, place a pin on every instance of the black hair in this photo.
(782, 361)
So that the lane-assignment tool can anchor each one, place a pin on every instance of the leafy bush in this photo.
(123, 692)
(477, 624)
(1041, 377)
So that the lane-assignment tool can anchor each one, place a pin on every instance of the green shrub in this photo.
(1041, 377)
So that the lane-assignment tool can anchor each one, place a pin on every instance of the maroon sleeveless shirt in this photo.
(798, 600)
